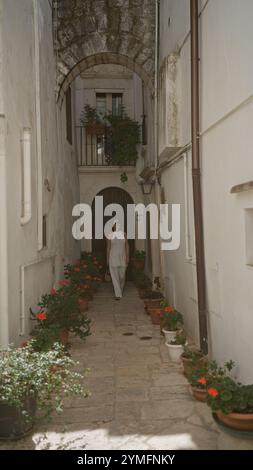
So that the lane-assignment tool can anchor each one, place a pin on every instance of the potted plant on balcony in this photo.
(139, 260)
(92, 121)
(172, 322)
(175, 347)
(191, 359)
(124, 136)
(29, 383)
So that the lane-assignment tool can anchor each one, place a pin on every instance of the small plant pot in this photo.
(139, 264)
(152, 303)
(190, 366)
(155, 314)
(239, 421)
(199, 393)
(169, 335)
(12, 423)
(84, 304)
(64, 336)
(142, 293)
(175, 351)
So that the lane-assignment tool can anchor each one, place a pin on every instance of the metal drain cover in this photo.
(128, 333)
(145, 338)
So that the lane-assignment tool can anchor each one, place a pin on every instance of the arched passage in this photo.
(104, 58)
(112, 195)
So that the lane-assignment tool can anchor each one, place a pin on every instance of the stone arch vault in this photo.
(91, 32)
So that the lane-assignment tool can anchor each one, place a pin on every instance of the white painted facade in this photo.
(226, 73)
(27, 100)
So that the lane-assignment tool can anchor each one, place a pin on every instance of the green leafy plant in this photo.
(154, 294)
(61, 309)
(27, 374)
(139, 255)
(192, 354)
(123, 177)
(124, 136)
(172, 320)
(180, 339)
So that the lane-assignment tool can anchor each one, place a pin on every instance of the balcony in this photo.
(94, 144)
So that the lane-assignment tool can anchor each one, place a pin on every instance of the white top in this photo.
(117, 255)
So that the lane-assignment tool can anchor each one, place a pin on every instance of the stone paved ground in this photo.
(139, 400)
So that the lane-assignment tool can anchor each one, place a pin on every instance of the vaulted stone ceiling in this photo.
(90, 32)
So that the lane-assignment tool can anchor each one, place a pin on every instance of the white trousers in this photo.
(118, 274)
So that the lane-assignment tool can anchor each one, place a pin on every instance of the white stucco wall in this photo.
(58, 161)
(226, 73)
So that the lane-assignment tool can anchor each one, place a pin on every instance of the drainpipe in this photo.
(196, 177)
(38, 124)
(27, 203)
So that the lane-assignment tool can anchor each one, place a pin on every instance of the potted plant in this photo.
(139, 260)
(61, 309)
(172, 322)
(230, 401)
(92, 121)
(28, 384)
(155, 314)
(191, 359)
(123, 136)
(198, 381)
(175, 347)
(153, 299)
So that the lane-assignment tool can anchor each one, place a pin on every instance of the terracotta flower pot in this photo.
(190, 366)
(155, 314)
(199, 393)
(64, 336)
(139, 264)
(239, 421)
(152, 303)
(84, 304)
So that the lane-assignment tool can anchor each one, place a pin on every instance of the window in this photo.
(101, 105)
(117, 104)
(109, 102)
(69, 115)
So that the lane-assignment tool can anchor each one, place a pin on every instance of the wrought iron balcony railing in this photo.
(94, 146)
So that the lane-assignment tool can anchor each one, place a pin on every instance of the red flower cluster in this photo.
(53, 292)
(212, 392)
(169, 309)
(64, 282)
(41, 316)
(202, 381)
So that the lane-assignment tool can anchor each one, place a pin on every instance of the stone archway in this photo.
(93, 32)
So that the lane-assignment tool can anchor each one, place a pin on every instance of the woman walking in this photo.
(118, 259)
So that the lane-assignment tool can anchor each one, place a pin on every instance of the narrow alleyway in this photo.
(139, 400)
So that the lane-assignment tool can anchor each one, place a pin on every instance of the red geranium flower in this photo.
(24, 344)
(41, 316)
(64, 282)
(53, 292)
(169, 309)
(213, 392)
(202, 381)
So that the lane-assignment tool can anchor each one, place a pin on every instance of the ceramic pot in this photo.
(239, 421)
(175, 351)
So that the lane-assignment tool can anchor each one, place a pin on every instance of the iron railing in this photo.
(95, 149)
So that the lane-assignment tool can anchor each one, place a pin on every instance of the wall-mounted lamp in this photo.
(146, 187)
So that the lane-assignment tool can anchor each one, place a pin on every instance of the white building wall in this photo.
(59, 173)
(226, 73)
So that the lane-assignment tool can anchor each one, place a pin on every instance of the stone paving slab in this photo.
(138, 399)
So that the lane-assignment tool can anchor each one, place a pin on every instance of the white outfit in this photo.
(117, 262)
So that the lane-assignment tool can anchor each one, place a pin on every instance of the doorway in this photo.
(112, 195)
